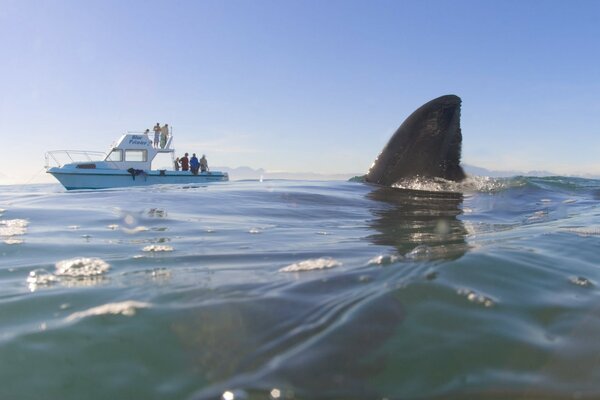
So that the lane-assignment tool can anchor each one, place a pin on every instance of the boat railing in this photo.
(62, 157)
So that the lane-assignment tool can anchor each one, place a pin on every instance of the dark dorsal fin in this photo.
(427, 144)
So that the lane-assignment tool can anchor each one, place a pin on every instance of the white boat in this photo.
(127, 163)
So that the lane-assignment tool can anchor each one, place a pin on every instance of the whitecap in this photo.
(581, 281)
(13, 227)
(125, 308)
(81, 267)
(312, 264)
(384, 259)
(421, 251)
(157, 248)
(41, 277)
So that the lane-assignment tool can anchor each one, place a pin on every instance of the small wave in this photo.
(125, 308)
(312, 264)
(484, 184)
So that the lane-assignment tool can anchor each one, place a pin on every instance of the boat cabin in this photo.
(135, 151)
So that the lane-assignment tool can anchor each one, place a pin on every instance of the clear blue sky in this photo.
(301, 85)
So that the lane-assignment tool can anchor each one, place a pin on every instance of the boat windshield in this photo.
(115, 155)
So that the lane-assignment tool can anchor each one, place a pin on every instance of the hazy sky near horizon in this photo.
(301, 85)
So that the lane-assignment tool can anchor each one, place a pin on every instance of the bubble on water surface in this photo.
(234, 395)
(275, 394)
(125, 308)
(476, 298)
(81, 267)
(312, 264)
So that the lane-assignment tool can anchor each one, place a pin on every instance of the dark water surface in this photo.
(302, 290)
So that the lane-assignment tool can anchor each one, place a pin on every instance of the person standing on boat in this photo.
(194, 164)
(185, 166)
(203, 164)
(176, 164)
(156, 134)
(164, 134)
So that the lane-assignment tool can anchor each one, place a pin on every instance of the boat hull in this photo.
(104, 179)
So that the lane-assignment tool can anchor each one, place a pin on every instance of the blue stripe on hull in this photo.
(109, 179)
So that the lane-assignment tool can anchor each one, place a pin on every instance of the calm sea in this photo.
(302, 290)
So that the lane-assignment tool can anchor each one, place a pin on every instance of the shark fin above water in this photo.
(427, 144)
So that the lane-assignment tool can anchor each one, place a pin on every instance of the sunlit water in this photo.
(302, 290)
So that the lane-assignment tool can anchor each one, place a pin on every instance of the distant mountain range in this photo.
(478, 171)
(242, 173)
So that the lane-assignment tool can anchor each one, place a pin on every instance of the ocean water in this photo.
(302, 290)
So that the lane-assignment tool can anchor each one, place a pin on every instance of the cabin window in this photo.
(115, 155)
(136, 155)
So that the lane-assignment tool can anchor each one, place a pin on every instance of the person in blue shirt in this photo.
(194, 164)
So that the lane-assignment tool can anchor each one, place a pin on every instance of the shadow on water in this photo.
(419, 223)
(321, 337)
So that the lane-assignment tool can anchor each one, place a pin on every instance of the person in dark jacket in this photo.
(185, 162)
